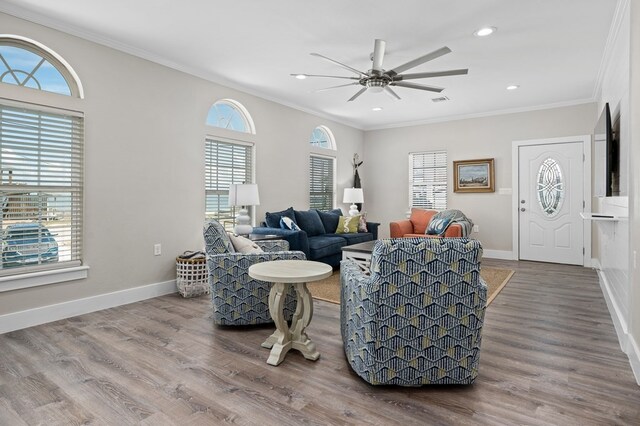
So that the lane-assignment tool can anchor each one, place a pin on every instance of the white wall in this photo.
(612, 239)
(387, 165)
(634, 189)
(144, 168)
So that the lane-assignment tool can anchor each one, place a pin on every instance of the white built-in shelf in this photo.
(602, 217)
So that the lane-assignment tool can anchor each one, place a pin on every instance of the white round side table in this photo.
(284, 274)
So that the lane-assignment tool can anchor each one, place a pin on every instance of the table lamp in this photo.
(243, 195)
(353, 196)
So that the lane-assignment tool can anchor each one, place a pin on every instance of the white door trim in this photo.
(515, 183)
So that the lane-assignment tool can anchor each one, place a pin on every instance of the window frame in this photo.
(242, 112)
(47, 102)
(330, 139)
(229, 224)
(441, 165)
(57, 61)
(333, 178)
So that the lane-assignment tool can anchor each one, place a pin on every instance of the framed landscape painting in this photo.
(473, 175)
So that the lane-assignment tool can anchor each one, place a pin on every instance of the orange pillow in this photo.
(420, 219)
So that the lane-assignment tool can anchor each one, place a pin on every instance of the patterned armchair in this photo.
(237, 298)
(417, 319)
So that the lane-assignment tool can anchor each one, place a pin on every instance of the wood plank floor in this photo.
(549, 356)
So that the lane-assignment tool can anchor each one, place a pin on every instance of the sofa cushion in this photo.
(362, 224)
(355, 238)
(309, 222)
(420, 219)
(438, 226)
(325, 245)
(273, 219)
(244, 245)
(330, 220)
(288, 223)
(348, 224)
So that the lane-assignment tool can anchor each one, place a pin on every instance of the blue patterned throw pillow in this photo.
(287, 223)
(438, 226)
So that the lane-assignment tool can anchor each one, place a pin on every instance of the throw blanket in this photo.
(441, 221)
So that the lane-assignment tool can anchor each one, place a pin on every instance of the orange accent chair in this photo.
(416, 226)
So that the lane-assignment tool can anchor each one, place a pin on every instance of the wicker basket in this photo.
(192, 278)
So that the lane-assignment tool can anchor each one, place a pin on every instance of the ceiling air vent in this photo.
(440, 99)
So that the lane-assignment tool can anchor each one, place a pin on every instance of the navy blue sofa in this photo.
(317, 237)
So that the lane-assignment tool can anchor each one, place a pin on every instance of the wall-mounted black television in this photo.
(605, 133)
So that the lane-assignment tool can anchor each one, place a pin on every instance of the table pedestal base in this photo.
(286, 338)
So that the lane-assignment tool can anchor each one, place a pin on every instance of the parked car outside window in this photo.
(25, 244)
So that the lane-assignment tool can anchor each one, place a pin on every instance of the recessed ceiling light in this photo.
(512, 87)
(485, 31)
(300, 76)
(376, 109)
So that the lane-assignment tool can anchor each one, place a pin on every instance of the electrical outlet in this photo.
(476, 228)
(157, 249)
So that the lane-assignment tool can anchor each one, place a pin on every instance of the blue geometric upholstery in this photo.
(237, 298)
(417, 319)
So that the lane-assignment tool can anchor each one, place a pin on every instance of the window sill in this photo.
(35, 279)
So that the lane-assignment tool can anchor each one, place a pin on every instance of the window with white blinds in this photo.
(41, 189)
(428, 180)
(225, 163)
(321, 182)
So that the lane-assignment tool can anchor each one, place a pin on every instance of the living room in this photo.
(145, 125)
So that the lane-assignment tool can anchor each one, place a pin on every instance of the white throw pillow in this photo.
(244, 245)
(287, 223)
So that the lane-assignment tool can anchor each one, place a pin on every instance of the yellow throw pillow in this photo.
(348, 224)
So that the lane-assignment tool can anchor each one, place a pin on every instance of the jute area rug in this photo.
(329, 288)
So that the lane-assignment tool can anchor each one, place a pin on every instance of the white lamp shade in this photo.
(243, 194)
(353, 195)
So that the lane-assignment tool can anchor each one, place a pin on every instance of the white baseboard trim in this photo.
(498, 254)
(633, 353)
(619, 322)
(42, 315)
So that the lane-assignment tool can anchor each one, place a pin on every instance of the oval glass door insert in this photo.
(550, 187)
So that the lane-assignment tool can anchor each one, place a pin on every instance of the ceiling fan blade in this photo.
(421, 60)
(325, 76)
(417, 86)
(393, 94)
(347, 67)
(335, 87)
(360, 92)
(378, 55)
(430, 74)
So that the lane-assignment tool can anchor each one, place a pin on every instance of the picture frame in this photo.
(474, 175)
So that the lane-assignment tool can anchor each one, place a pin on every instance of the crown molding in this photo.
(40, 19)
(484, 114)
(616, 23)
(49, 22)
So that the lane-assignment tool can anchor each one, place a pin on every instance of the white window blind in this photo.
(225, 163)
(321, 183)
(428, 180)
(41, 189)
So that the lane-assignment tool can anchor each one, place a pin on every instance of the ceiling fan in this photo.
(377, 79)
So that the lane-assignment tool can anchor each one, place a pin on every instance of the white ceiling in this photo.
(552, 49)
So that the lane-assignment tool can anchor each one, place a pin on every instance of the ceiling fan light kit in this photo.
(378, 80)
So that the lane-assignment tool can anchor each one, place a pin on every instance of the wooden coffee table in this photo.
(359, 253)
(284, 274)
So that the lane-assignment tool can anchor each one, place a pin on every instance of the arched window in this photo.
(41, 167)
(321, 137)
(229, 114)
(26, 63)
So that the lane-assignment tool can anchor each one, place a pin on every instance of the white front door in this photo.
(550, 201)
